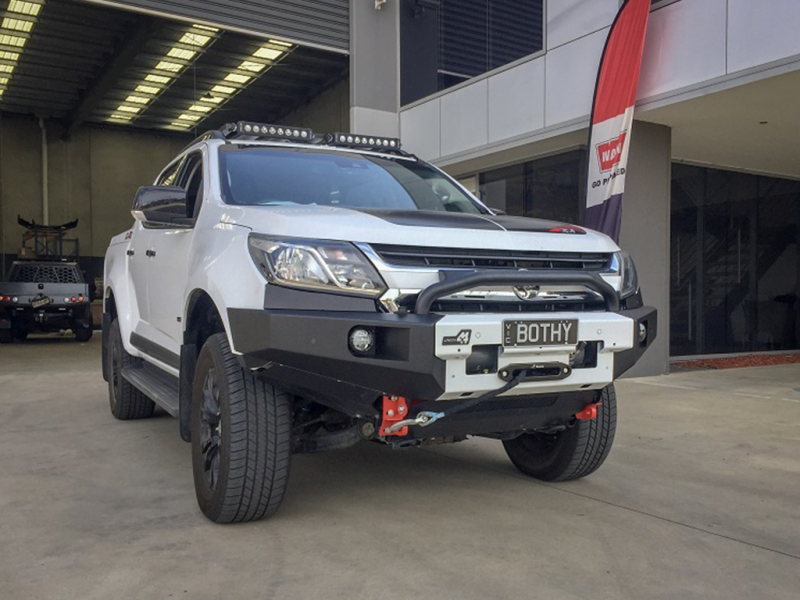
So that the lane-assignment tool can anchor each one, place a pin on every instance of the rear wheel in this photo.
(127, 402)
(570, 454)
(6, 337)
(83, 334)
(241, 434)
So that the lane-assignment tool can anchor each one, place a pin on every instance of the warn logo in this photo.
(609, 153)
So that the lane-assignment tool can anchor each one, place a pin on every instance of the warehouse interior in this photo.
(95, 100)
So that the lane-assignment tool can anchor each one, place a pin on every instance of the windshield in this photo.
(265, 176)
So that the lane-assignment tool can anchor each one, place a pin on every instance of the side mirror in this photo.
(498, 211)
(161, 205)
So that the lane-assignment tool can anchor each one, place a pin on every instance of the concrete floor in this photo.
(699, 499)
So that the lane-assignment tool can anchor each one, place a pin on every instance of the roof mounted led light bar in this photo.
(261, 131)
(369, 142)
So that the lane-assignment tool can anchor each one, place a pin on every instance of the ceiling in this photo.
(751, 127)
(82, 62)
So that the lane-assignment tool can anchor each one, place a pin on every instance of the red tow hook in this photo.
(395, 408)
(589, 413)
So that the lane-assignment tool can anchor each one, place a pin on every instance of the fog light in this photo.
(362, 340)
(642, 333)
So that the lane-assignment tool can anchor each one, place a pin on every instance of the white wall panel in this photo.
(465, 118)
(516, 100)
(685, 45)
(419, 130)
(761, 32)
(571, 72)
(568, 20)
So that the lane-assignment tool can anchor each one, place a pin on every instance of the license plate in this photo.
(540, 333)
(40, 302)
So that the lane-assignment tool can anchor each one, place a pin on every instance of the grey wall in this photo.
(374, 67)
(92, 177)
(646, 230)
(327, 112)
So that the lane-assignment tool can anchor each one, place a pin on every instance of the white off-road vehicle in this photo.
(282, 292)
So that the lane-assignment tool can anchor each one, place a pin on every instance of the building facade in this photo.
(712, 210)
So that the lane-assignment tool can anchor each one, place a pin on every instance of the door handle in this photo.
(130, 253)
(150, 253)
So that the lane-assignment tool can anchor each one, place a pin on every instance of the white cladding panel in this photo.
(516, 100)
(465, 120)
(570, 78)
(419, 130)
(761, 32)
(685, 45)
(569, 20)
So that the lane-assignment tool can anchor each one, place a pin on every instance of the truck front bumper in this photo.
(310, 351)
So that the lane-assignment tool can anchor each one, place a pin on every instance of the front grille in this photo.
(478, 306)
(36, 273)
(413, 256)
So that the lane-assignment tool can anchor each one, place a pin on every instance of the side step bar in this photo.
(160, 387)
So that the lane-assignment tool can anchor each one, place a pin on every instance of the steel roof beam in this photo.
(127, 51)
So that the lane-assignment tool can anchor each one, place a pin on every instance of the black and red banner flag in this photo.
(612, 117)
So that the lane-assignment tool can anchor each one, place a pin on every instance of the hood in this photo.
(415, 228)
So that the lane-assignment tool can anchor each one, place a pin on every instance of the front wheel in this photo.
(241, 438)
(570, 454)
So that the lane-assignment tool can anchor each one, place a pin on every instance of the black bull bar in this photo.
(459, 281)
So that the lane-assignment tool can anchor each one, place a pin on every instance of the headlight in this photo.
(629, 284)
(316, 264)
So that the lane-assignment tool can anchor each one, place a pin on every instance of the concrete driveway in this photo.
(700, 498)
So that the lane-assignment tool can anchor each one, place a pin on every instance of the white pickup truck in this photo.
(282, 292)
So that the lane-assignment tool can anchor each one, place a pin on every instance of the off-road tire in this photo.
(83, 334)
(570, 454)
(244, 424)
(6, 337)
(126, 402)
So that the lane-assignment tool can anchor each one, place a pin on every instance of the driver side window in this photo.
(168, 177)
(191, 179)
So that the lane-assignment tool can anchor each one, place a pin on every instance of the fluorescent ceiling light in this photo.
(195, 39)
(17, 24)
(189, 117)
(200, 108)
(9, 55)
(6, 69)
(129, 109)
(121, 117)
(3, 80)
(206, 27)
(249, 65)
(181, 53)
(236, 78)
(179, 124)
(137, 99)
(24, 8)
(223, 89)
(12, 40)
(268, 53)
(147, 89)
(279, 43)
(212, 99)
(157, 79)
(166, 65)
